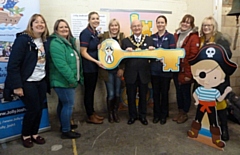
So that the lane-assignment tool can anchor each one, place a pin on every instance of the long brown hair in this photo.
(190, 18)
(29, 29)
(55, 28)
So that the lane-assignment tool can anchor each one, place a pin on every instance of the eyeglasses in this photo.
(207, 25)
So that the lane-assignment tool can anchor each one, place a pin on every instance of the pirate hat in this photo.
(217, 53)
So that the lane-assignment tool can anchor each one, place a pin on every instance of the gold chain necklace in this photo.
(137, 44)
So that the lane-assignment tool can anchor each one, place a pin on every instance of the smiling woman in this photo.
(65, 73)
(89, 42)
(186, 37)
(27, 76)
(112, 78)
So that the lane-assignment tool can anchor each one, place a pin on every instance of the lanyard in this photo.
(160, 41)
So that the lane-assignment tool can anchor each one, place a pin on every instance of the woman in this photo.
(112, 78)
(186, 37)
(161, 80)
(64, 74)
(89, 42)
(27, 73)
(209, 34)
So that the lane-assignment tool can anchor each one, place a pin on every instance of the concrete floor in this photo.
(123, 139)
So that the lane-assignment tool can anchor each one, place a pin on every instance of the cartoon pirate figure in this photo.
(209, 69)
(109, 56)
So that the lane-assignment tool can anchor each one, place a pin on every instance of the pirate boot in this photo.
(216, 136)
(193, 133)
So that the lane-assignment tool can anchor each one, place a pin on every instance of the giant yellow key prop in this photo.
(110, 55)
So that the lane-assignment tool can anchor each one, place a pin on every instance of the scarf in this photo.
(182, 36)
(203, 40)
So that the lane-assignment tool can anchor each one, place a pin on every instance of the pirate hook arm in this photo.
(195, 98)
(226, 91)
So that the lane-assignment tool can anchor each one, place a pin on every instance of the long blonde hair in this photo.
(29, 29)
(109, 25)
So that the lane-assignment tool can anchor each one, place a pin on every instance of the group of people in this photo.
(39, 62)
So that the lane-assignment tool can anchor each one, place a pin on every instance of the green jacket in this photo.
(63, 68)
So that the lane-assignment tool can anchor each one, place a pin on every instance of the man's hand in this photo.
(151, 48)
(129, 49)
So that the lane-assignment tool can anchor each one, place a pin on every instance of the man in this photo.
(137, 73)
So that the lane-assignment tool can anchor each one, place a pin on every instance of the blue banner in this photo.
(14, 16)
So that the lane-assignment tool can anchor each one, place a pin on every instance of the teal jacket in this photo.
(63, 68)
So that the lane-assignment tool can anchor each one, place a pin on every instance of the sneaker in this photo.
(70, 135)
(72, 126)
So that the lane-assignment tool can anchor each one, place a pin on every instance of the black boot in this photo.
(110, 110)
(225, 135)
(115, 109)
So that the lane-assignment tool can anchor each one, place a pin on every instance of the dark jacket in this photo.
(191, 46)
(167, 41)
(136, 66)
(22, 62)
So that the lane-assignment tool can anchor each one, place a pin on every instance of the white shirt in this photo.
(138, 38)
(39, 71)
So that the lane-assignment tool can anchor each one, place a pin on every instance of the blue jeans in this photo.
(65, 106)
(184, 95)
(113, 85)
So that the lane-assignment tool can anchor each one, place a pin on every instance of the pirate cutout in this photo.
(109, 56)
(209, 69)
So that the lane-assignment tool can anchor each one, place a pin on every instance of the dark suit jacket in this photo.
(136, 66)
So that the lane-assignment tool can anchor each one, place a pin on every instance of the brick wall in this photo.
(229, 27)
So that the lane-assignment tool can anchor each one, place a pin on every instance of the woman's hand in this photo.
(18, 91)
(187, 78)
(120, 72)
(100, 64)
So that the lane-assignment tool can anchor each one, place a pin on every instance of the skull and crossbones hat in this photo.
(217, 53)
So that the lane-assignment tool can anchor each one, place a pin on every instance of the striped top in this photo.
(207, 94)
